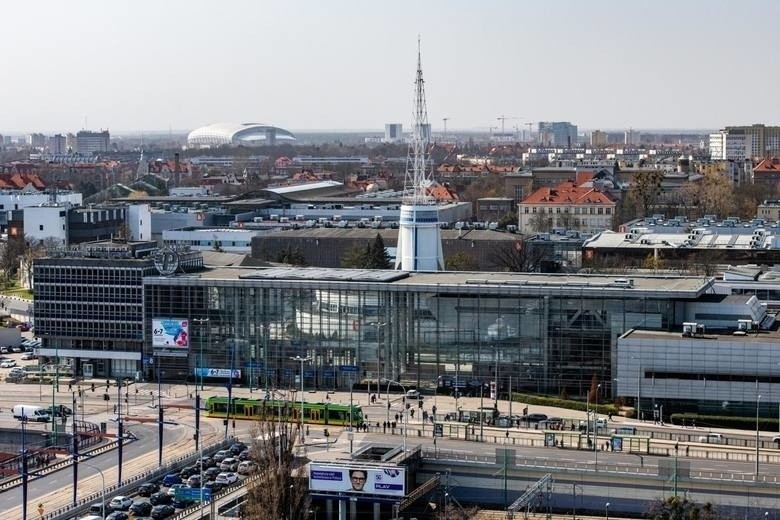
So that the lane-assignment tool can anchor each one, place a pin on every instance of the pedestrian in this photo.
(70, 387)
(687, 450)
(114, 409)
(411, 413)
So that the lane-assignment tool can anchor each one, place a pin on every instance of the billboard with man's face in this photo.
(356, 479)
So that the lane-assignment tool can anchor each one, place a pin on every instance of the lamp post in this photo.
(300, 419)
(638, 389)
(606, 510)
(200, 456)
(379, 326)
(758, 439)
(403, 410)
(103, 481)
(596, 431)
(200, 321)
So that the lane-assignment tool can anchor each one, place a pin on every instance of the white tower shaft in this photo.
(419, 237)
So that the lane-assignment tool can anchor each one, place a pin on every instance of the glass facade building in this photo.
(553, 334)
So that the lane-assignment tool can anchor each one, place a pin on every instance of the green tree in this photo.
(291, 256)
(679, 508)
(376, 254)
(460, 261)
(354, 258)
(373, 256)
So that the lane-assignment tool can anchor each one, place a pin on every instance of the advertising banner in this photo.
(218, 372)
(170, 333)
(357, 479)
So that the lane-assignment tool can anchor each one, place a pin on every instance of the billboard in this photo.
(358, 479)
(170, 333)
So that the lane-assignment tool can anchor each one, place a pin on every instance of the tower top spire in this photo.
(417, 179)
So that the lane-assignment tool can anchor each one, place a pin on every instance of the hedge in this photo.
(539, 400)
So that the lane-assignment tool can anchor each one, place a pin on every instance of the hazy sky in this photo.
(331, 64)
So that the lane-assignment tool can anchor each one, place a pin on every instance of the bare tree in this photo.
(518, 258)
(282, 490)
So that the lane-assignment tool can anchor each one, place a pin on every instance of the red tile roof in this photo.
(567, 193)
(768, 165)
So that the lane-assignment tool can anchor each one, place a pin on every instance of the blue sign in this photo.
(348, 368)
(187, 493)
(253, 364)
(288, 371)
(148, 360)
(327, 372)
(271, 371)
(218, 372)
(308, 373)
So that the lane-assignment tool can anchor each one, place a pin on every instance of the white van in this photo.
(31, 413)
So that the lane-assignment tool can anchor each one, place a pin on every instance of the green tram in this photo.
(261, 409)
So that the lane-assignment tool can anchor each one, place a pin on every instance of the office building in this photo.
(88, 142)
(58, 145)
(558, 133)
(745, 142)
(89, 304)
(394, 133)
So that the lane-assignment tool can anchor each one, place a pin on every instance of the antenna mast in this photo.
(416, 179)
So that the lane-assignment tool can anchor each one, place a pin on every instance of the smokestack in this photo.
(176, 169)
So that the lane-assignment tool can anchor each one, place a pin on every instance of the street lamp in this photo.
(200, 456)
(638, 389)
(758, 439)
(300, 419)
(379, 326)
(403, 411)
(103, 480)
(596, 432)
(606, 510)
(200, 321)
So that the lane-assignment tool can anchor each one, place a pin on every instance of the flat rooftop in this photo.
(765, 336)
(688, 287)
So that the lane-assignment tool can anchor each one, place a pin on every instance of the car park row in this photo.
(164, 497)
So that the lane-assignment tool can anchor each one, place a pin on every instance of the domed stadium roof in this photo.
(247, 134)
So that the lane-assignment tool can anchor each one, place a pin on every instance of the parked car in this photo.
(171, 479)
(120, 503)
(7, 363)
(141, 508)
(206, 461)
(17, 348)
(147, 488)
(226, 478)
(244, 455)
(27, 356)
(246, 467)
(162, 511)
(118, 515)
(221, 455)
(24, 327)
(194, 481)
(161, 497)
(412, 394)
(182, 503)
(229, 464)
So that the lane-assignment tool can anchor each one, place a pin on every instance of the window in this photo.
(609, 211)
(557, 210)
(40, 227)
(600, 211)
(526, 209)
(534, 210)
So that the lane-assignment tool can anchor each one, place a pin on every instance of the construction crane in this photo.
(503, 120)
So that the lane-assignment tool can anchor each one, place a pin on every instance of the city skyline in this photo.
(139, 66)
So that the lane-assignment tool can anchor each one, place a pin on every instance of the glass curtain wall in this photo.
(557, 345)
